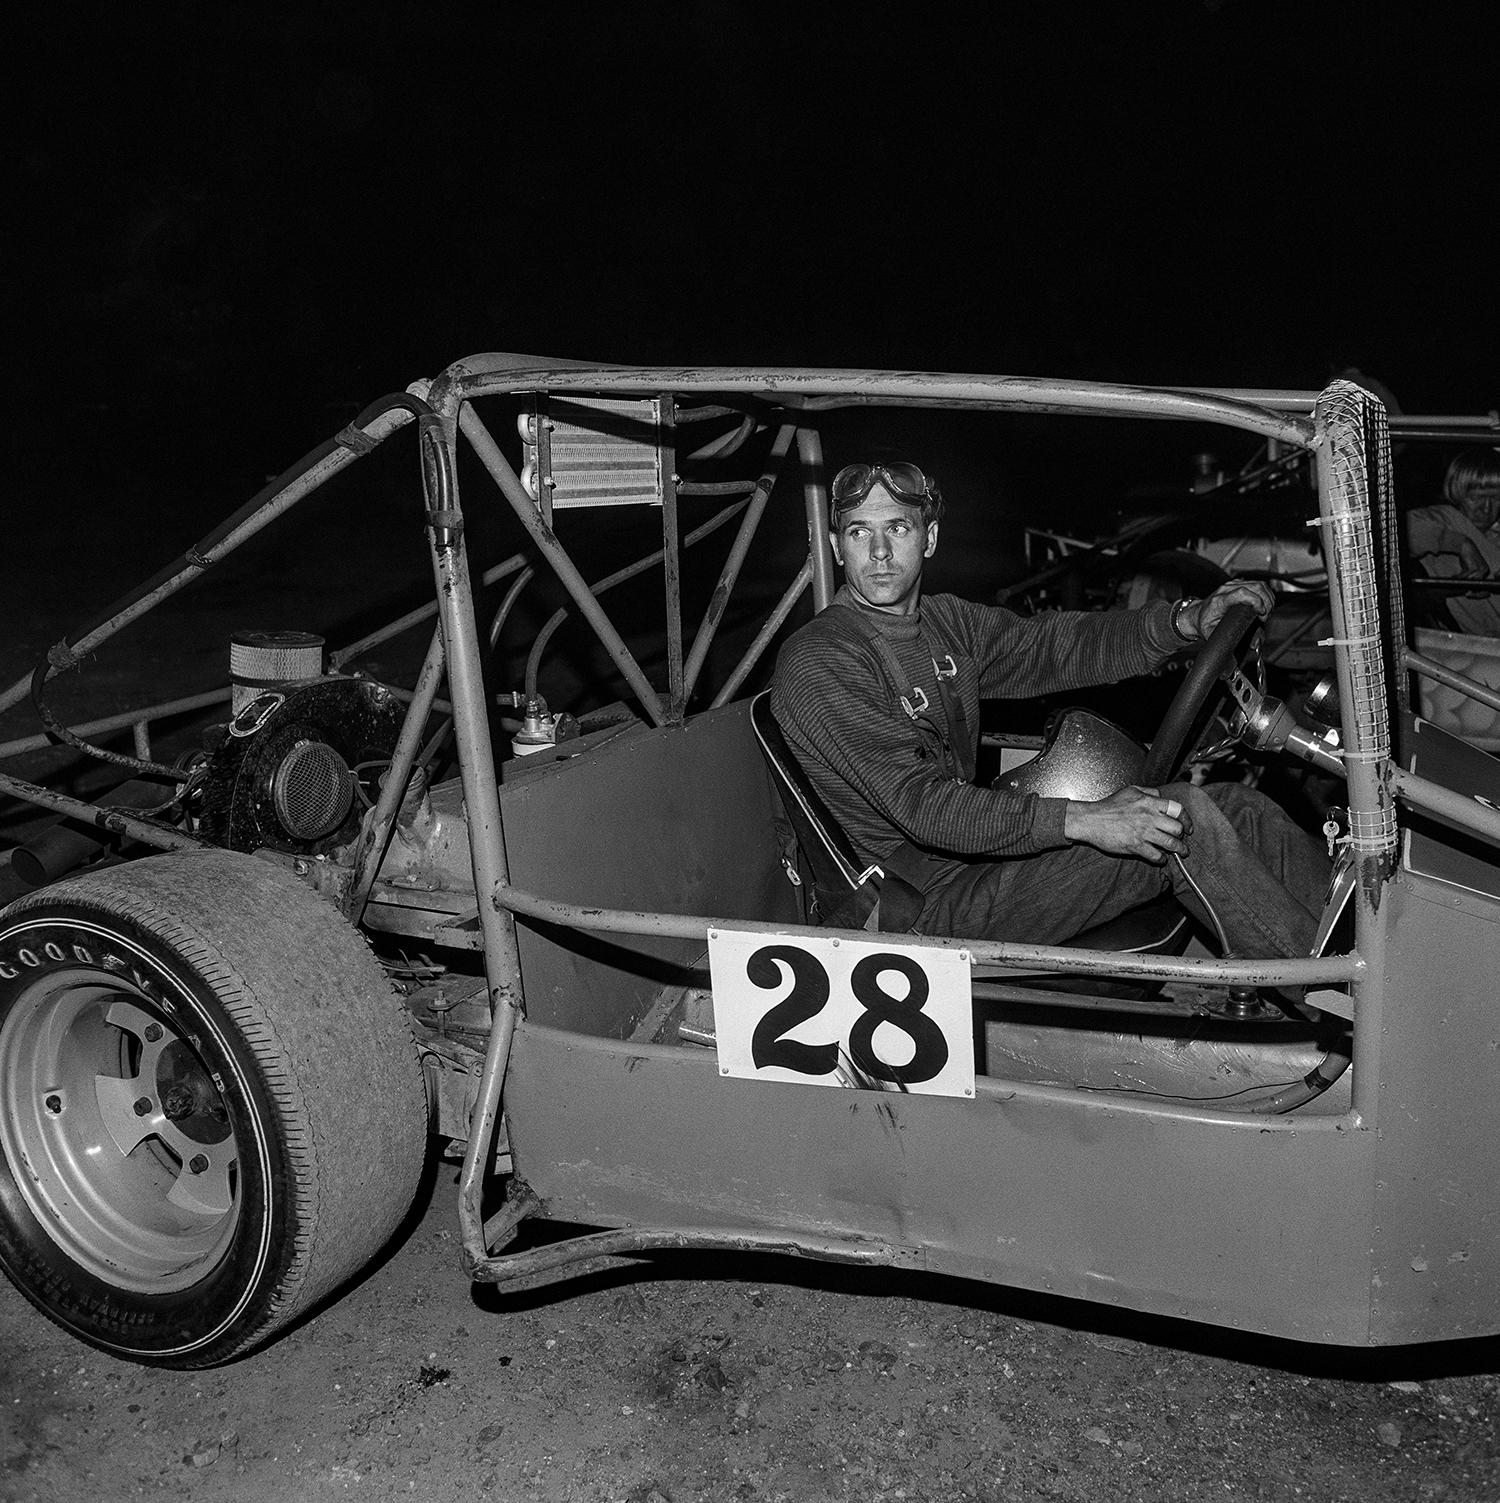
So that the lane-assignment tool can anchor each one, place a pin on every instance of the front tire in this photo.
(211, 1109)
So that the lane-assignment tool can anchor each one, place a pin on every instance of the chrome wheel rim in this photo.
(117, 1134)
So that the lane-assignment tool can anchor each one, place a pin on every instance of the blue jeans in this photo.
(1262, 875)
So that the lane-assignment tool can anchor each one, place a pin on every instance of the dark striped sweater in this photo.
(872, 765)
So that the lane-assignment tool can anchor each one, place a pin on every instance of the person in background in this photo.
(1460, 539)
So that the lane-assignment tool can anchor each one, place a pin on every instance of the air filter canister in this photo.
(261, 660)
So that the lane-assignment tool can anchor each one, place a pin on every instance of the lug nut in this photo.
(198, 1163)
(53, 1104)
(153, 1032)
(143, 1106)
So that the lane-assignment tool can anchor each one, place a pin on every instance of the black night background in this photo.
(233, 227)
(226, 220)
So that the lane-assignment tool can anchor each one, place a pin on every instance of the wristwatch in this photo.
(1184, 604)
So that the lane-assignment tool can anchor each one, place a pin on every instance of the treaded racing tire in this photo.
(211, 1108)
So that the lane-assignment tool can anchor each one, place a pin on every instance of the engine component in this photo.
(592, 451)
(64, 844)
(540, 731)
(261, 660)
(287, 776)
(313, 790)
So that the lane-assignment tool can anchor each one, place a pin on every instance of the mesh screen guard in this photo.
(313, 790)
(1364, 564)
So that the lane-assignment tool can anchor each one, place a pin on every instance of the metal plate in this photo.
(1434, 848)
(842, 1013)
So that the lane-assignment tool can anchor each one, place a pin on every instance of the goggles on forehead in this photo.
(903, 480)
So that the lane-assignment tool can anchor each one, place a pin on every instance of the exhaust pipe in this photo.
(63, 846)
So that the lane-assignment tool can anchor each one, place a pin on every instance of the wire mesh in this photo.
(1354, 428)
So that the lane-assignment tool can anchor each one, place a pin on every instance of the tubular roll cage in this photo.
(1343, 427)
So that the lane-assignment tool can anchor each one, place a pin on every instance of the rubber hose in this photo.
(1313, 1084)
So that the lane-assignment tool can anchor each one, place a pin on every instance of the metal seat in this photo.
(847, 893)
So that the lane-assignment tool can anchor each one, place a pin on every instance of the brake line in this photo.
(1207, 906)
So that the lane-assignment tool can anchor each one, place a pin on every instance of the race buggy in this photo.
(644, 984)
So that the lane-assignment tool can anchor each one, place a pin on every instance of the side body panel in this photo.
(678, 820)
(1242, 1221)
(1436, 1266)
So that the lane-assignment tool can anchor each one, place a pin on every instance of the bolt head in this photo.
(153, 1032)
(198, 1163)
(142, 1106)
(179, 1102)
(53, 1104)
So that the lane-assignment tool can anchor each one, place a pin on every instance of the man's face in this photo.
(881, 545)
(1482, 507)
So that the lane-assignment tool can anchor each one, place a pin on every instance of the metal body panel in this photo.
(1436, 1267)
(1245, 1221)
(679, 818)
(1436, 848)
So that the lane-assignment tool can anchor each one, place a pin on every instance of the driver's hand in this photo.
(1133, 822)
(1211, 611)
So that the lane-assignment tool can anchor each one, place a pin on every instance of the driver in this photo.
(878, 696)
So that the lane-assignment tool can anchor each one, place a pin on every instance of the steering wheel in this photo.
(1215, 658)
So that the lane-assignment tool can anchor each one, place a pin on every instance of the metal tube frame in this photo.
(506, 900)
(375, 834)
(629, 571)
(815, 498)
(804, 390)
(546, 540)
(1483, 693)
(282, 502)
(125, 721)
(1323, 970)
(671, 554)
(113, 820)
(1457, 808)
(1371, 779)
(1341, 465)
(729, 575)
(476, 762)
(764, 636)
(336, 660)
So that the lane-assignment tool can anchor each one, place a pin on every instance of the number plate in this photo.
(864, 1013)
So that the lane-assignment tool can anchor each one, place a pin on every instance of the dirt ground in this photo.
(699, 1378)
(753, 1379)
